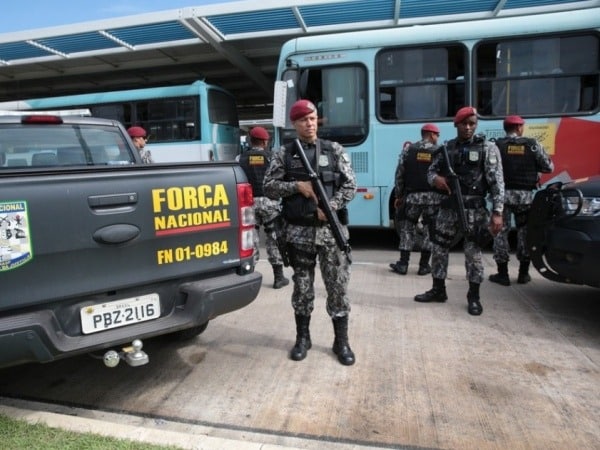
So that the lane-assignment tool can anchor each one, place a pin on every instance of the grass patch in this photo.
(17, 434)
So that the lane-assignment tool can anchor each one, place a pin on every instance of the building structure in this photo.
(235, 45)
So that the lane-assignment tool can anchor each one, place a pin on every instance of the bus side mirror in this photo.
(279, 104)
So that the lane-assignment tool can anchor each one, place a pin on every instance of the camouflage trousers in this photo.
(335, 272)
(265, 212)
(501, 244)
(413, 230)
(447, 229)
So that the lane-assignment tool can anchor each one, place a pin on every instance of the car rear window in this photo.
(47, 145)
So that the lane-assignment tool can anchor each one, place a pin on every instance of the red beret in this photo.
(136, 132)
(430, 127)
(259, 133)
(300, 109)
(513, 120)
(463, 113)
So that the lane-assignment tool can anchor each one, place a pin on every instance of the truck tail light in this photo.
(41, 119)
(247, 221)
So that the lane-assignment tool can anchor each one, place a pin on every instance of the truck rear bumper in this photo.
(37, 336)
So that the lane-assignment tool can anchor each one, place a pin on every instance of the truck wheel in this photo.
(189, 333)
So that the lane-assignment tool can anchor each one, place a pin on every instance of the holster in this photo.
(521, 219)
(481, 236)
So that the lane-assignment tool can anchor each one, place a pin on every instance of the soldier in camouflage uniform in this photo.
(255, 162)
(478, 167)
(417, 200)
(139, 138)
(522, 161)
(308, 235)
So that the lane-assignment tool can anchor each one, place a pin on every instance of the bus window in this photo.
(114, 111)
(541, 76)
(222, 108)
(343, 102)
(420, 83)
(340, 95)
(171, 119)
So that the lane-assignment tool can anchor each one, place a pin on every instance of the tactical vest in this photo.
(255, 163)
(518, 162)
(417, 161)
(467, 159)
(298, 209)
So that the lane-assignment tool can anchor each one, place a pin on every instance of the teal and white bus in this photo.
(374, 89)
(195, 122)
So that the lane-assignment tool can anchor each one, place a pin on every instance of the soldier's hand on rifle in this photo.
(496, 223)
(306, 189)
(398, 201)
(321, 215)
(440, 183)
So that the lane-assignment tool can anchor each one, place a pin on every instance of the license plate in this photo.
(105, 316)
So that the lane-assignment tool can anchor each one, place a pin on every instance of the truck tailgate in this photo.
(105, 230)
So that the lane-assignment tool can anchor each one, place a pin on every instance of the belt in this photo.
(470, 203)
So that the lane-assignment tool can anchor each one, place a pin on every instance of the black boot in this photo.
(303, 343)
(401, 266)
(424, 267)
(341, 347)
(502, 276)
(279, 280)
(524, 272)
(475, 308)
(436, 294)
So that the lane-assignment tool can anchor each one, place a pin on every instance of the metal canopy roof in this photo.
(234, 45)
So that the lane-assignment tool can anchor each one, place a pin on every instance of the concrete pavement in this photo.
(523, 375)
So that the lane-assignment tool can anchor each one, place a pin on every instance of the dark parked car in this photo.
(564, 232)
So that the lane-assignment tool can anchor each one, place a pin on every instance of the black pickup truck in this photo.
(98, 250)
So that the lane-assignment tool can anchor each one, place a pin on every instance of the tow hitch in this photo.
(132, 355)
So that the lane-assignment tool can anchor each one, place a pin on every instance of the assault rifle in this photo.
(332, 218)
(481, 237)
